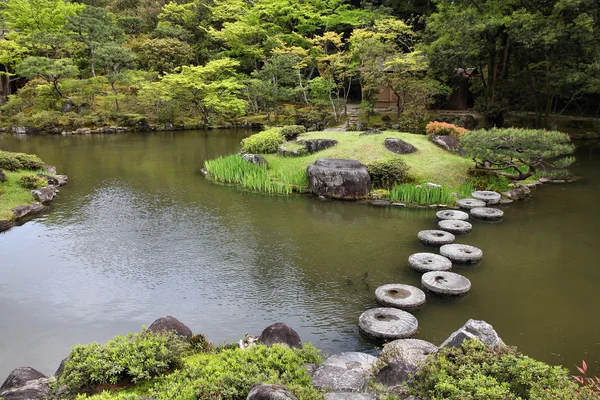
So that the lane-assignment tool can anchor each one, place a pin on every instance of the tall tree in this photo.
(115, 58)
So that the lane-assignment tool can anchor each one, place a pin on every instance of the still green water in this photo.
(138, 233)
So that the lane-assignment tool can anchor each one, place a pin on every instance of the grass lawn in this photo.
(12, 194)
(429, 164)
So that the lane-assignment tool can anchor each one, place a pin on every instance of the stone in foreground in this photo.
(448, 143)
(339, 179)
(446, 283)
(461, 253)
(452, 214)
(24, 211)
(399, 146)
(168, 323)
(467, 204)
(280, 333)
(404, 297)
(348, 396)
(388, 323)
(411, 351)
(435, 237)
(487, 195)
(487, 213)
(352, 361)
(270, 392)
(455, 226)
(426, 262)
(25, 383)
(45, 194)
(474, 329)
(339, 379)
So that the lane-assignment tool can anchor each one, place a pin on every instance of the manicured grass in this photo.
(429, 164)
(12, 194)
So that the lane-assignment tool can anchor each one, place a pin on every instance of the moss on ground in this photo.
(429, 164)
(12, 194)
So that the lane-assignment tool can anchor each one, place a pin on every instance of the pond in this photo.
(138, 233)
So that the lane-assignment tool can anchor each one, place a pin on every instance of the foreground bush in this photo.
(231, 373)
(519, 153)
(444, 129)
(386, 174)
(128, 358)
(32, 182)
(29, 161)
(264, 142)
(479, 372)
(9, 161)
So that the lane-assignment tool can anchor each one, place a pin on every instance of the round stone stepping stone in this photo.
(452, 214)
(435, 237)
(401, 296)
(487, 195)
(461, 253)
(455, 226)
(426, 262)
(409, 351)
(388, 323)
(487, 213)
(470, 203)
(354, 361)
(444, 282)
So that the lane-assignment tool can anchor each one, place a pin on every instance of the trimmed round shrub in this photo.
(9, 162)
(476, 371)
(387, 174)
(265, 142)
(291, 131)
(29, 161)
(32, 182)
(444, 129)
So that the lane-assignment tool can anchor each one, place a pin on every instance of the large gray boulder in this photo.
(339, 379)
(25, 383)
(448, 143)
(474, 329)
(352, 361)
(339, 179)
(169, 323)
(270, 392)
(280, 333)
(403, 359)
(45, 194)
(399, 146)
(24, 211)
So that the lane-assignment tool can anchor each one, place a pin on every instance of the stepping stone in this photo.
(447, 283)
(487, 195)
(470, 203)
(455, 226)
(388, 323)
(435, 237)
(401, 296)
(487, 213)
(410, 351)
(426, 262)
(461, 253)
(452, 214)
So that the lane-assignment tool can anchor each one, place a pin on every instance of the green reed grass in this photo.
(234, 170)
(420, 194)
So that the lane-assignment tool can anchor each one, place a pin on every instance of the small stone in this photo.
(447, 283)
(380, 203)
(398, 205)
(404, 297)
(452, 214)
(455, 226)
(45, 194)
(461, 253)
(399, 146)
(426, 262)
(169, 323)
(474, 329)
(280, 333)
(435, 237)
(388, 323)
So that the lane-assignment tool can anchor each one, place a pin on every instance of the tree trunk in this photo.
(112, 84)
(92, 61)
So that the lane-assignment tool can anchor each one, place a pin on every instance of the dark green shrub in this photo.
(229, 374)
(264, 142)
(386, 174)
(131, 358)
(9, 162)
(200, 343)
(29, 161)
(32, 182)
(476, 371)
(291, 131)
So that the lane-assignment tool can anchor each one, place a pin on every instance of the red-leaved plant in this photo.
(584, 380)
